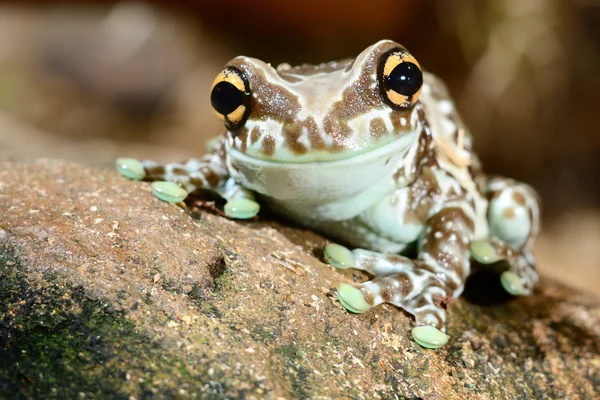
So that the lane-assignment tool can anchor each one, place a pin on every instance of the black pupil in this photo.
(226, 98)
(406, 79)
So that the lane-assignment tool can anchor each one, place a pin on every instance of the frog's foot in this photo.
(397, 281)
(415, 290)
(165, 190)
(241, 208)
(521, 276)
(174, 181)
(130, 168)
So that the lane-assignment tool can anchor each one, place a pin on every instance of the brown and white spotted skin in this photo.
(370, 152)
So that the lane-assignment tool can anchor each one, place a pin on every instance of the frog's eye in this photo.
(230, 97)
(400, 78)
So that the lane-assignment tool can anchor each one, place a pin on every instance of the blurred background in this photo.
(89, 81)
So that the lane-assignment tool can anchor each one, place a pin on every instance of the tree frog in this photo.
(372, 153)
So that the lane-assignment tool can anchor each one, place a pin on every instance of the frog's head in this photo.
(317, 113)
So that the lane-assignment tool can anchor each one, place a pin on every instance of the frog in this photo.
(372, 153)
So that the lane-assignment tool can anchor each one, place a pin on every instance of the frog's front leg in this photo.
(421, 286)
(173, 182)
(514, 219)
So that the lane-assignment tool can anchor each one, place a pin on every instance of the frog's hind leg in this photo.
(514, 220)
(420, 287)
(172, 182)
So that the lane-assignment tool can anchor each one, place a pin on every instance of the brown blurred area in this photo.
(92, 80)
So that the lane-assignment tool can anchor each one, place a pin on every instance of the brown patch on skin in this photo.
(443, 301)
(396, 119)
(244, 140)
(422, 268)
(291, 135)
(424, 193)
(445, 260)
(411, 218)
(509, 212)
(338, 129)
(422, 301)
(377, 127)
(368, 296)
(255, 135)
(242, 134)
(314, 136)
(406, 286)
(197, 182)
(442, 248)
(179, 171)
(395, 258)
(387, 293)
(519, 198)
(157, 171)
(293, 131)
(268, 145)
(400, 174)
(211, 177)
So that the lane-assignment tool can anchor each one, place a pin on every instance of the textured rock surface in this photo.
(106, 291)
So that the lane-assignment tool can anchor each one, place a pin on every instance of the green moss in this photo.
(296, 374)
(56, 342)
(264, 333)
(224, 282)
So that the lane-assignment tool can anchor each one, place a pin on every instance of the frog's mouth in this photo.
(324, 181)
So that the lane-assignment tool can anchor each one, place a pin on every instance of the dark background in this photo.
(92, 80)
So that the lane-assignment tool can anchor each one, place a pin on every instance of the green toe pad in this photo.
(429, 336)
(484, 252)
(130, 168)
(352, 299)
(241, 208)
(338, 256)
(168, 191)
(512, 284)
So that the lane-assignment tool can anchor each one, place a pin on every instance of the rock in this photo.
(106, 292)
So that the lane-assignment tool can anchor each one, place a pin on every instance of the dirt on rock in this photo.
(106, 292)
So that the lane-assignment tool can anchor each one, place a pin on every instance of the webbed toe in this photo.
(130, 168)
(429, 336)
(242, 208)
(512, 283)
(338, 256)
(352, 299)
(168, 191)
(484, 252)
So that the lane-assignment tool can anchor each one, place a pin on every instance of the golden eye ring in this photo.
(400, 78)
(230, 97)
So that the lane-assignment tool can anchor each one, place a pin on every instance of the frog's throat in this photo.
(318, 183)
